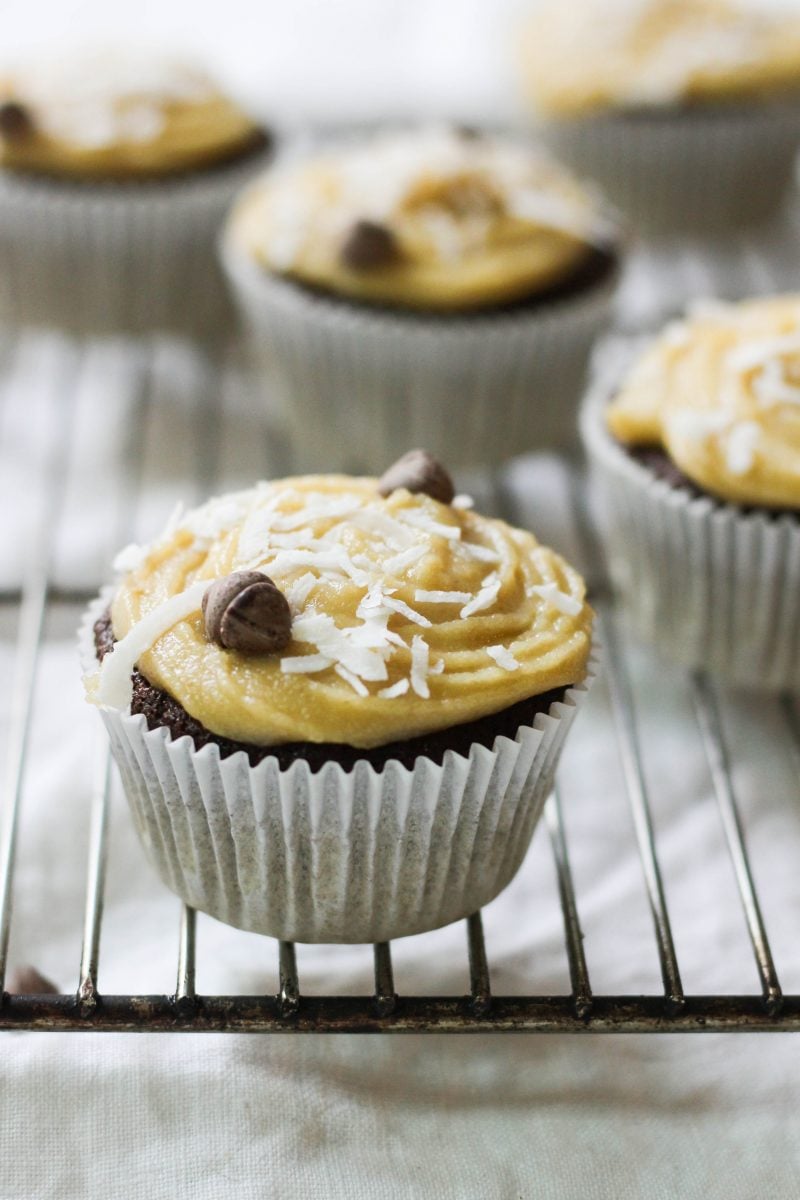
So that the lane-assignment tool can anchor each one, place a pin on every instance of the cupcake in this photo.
(436, 286)
(337, 703)
(686, 111)
(698, 458)
(115, 173)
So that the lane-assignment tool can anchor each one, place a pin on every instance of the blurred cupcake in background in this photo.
(686, 111)
(115, 172)
(437, 286)
(698, 461)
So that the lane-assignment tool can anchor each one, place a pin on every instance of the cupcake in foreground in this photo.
(698, 457)
(337, 703)
(115, 172)
(686, 111)
(434, 285)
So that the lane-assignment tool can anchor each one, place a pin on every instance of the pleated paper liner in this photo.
(336, 856)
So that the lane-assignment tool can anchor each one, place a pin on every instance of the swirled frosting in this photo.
(581, 58)
(409, 616)
(477, 220)
(120, 114)
(720, 392)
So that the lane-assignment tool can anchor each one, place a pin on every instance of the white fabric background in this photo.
(496, 1118)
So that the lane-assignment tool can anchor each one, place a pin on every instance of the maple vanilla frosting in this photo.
(589, 57)
(720, 393)
(436, 219)
(117, 115)
(408, 615)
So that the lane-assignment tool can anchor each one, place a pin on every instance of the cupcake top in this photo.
(380, 610)
(582, 58)
(117, 115)
(720, 393)
(439, 219)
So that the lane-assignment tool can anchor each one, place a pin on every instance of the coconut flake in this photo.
(419, 666)
(740, 451)
(399, 606)
(423, 597)
(697, 425)
(397, 689)
(353, 680)
(130, 558)
(114, 685)
(421, 520)
(462, 501)
(503, 657)
(338, 644)
(481, 553)
(406, 558)
(486, 596)
(551, 594)
(298, 591)
(305, 664)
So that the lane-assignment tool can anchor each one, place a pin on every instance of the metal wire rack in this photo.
(761, 1004)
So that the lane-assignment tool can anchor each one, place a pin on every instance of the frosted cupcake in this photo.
(685, 111)
(115, 172)
(337, 703)
(434, 286)
(698, 457)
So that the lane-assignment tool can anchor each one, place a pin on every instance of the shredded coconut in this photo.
(551, 594)
(305, 664)
(486, 596)
(397, 689)
(353, 680)
(421, 520)
(423, 597)
(740, 451)
(420, 652)
(503, 657)
(462, 501)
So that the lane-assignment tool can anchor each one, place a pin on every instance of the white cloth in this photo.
(500, 1117)
(323, 1118)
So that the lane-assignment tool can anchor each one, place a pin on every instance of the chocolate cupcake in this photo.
(427, 286)
(337, 703)
(687, 112)
(698, 458)
(115, 172)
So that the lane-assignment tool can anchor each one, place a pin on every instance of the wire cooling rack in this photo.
(659, 281)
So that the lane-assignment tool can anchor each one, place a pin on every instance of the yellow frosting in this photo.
(582, 58)
(720, 393)
(115, 116)
(478, 221)
(359, 571)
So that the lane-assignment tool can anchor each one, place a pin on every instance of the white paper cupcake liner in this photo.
(689, 171)
(709, 585)
(117, 257)
(357, 386)
(363, 856)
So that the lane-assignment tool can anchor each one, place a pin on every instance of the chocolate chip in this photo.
(369, 245)
(26, 981)
(245, 611)
(418, 471)
(16, 121)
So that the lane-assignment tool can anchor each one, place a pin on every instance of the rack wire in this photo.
(761, 1005)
